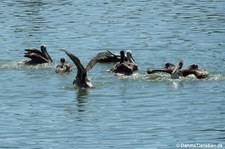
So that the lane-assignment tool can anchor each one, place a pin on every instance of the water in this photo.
(42, 109)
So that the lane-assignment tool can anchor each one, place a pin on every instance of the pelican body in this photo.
(37, 56)
(198, 72)
(126, 67)
(63, 67)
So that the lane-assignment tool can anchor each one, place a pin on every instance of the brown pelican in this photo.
(169, 68)
(193, 69)
(81, 79)
(37, 56)
(63, 66)
(176, 71)
(125, 67)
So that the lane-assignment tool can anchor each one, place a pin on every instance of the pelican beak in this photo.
(48, 56)
(44, 50)
(132, 59)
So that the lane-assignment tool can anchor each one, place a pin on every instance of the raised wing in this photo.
(95, 59)
(36, 58)
(111, 53)
(33, 50)
(104, 55)
(76, 61)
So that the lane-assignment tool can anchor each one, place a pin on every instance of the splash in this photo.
(20, 65)
(134, 76)
(216, 77)
(165, 77)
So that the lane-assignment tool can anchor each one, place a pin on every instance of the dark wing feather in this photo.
(95, 59)
(151, 71)
(36, 58)
(33, 50)
(111, 53)
(104, 55)
(76, 61)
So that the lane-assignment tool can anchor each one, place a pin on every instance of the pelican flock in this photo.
(124, 64)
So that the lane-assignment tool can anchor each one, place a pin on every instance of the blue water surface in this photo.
(42, 109)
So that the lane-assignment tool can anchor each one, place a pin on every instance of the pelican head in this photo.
(62, 60)
(45, 53)
(122, 56)
(43, 49)
(180, 64)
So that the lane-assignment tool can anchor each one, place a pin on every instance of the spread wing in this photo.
(35, 55)
(76, 61)
(104, 55)
(95, 59)
(111, 53)
(33, 50)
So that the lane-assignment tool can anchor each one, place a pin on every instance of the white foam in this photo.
(21, 65)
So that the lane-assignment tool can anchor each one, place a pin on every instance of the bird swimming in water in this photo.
(193, 69)
(81, 79)
(176, 71)
(173, 70)
(63, 66)
(37, 56)
(123, 66)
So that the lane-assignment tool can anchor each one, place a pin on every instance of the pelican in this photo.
(63, 66)
(177, 71)
(81, 79)
(170, 68)
(37, 56)
(125, 67)
(193, 69)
